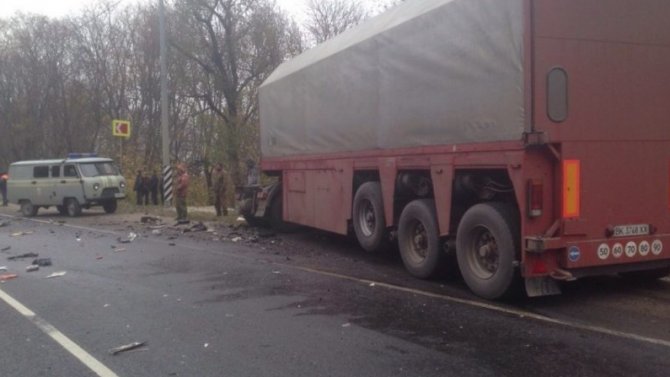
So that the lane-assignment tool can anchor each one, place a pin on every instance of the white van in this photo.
(69, 184)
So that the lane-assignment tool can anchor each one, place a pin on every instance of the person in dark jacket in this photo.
(219, 190)
(153, 188)
(140, 188)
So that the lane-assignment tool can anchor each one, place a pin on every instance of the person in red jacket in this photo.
(3, 188)
(181, 191)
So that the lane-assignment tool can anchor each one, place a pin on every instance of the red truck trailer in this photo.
(530, 138)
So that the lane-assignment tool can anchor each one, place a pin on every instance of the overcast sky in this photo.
(58, 8)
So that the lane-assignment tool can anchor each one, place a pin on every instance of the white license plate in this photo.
(631, 230)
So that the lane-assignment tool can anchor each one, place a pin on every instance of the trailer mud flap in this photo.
(542, 286)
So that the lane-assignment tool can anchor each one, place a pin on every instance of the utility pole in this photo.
(167, 168)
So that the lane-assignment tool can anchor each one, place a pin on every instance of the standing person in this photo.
(252, 173)
(139, 187)
(153, 188)
(219, 190)
(181, 190)
(145, 190)
(3, 188)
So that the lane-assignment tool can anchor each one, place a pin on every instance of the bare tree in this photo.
(328, 18)
(236, 44)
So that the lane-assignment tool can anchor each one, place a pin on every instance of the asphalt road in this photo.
(305, 304)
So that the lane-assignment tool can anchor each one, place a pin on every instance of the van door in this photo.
(40, 186)
(68, 184)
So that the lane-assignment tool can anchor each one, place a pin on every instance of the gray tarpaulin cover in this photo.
(427, 72)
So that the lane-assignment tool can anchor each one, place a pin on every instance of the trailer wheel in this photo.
(72, 207)
(368, 217)
(647, 275)
(28, 209)
(418, 238)
(110, 206)
(486, 249)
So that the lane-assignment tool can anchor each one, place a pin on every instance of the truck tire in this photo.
(61, 210)
(110, 206)
(72, 207)
(368, 217)
(418, 238)
(647, 275)
(486, 248)
(28, 209)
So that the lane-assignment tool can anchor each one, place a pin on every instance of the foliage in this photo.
(63, 81)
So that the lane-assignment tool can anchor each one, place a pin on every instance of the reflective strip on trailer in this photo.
(571, 187)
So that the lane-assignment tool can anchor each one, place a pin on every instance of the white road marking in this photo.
(84, 357)
(472, 303)
(493, 307)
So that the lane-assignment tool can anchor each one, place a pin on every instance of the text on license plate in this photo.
(631, 230)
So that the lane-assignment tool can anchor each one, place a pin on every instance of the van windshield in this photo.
(98, 168)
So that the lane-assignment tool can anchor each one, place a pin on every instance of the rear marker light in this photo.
(539, 267)
(571, 188)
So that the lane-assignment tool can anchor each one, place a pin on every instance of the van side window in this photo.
(557, 95)
(41, 172)
(55, 171)
(70, 171)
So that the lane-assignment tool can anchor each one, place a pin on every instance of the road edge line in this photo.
(492, 307)
(79, 353)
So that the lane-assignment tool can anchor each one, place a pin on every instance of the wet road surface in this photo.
(304, 304)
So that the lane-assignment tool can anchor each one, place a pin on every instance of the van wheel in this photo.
(368, 217)
(110, 206)
(61, 210)
(72, 207)
(418, 238)
(486, 246)
(28, 209)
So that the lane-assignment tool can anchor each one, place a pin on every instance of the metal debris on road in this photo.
(56, 274)
(32, 267)
(131, 237)
(150, 220)
(199, 227)
(3, 268)
(120, 249)
(43, 262)
(127, 347)
(6, 277)
(22, 233)
(22, 256)
(236, 239)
